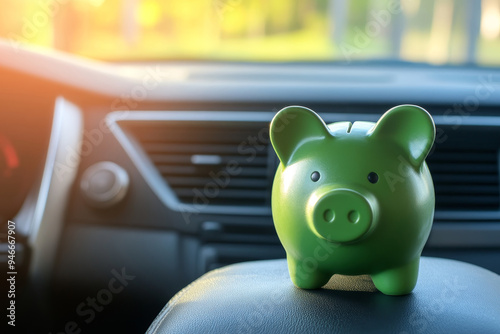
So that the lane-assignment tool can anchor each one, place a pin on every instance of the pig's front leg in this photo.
(305, 277)
(397, 281)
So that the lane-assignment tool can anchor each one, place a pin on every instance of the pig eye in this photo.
(373, 177)
(315, 176)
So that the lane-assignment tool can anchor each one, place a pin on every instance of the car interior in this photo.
(136, 166)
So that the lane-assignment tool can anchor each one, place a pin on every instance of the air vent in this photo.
(210, 163)
(221, 161)
(465, 179)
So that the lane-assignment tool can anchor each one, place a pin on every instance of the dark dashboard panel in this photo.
(462, 155)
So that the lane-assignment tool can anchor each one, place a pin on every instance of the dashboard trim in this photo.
(48, 216)
(465, 235)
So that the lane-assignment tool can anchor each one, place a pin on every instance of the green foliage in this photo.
(254, 30)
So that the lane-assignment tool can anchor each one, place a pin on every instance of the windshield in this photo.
(438, 32)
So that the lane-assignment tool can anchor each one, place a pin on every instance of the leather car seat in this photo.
(258, 297)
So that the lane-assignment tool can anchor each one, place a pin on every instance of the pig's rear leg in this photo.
(397, 281)
(304, 277)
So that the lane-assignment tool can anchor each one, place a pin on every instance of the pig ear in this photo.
(293, 126)
(411, 127)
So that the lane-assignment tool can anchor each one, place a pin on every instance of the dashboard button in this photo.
(104, 184)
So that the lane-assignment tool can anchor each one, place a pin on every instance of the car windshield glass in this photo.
(453, 32)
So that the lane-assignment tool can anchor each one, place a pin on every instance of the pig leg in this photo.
(304, 277)
(397, 281)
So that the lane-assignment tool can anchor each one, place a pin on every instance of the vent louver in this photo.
(210, 163)
(465, 179)
(227, 162)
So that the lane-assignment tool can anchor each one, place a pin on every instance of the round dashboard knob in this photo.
(104, 184)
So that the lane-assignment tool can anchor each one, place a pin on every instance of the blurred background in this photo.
(437, 32)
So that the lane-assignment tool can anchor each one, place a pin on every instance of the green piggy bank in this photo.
(353, 198)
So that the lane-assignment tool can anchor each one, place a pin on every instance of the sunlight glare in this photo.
(149, 13)
(490, 19)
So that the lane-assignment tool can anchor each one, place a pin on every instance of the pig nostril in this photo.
(329, 216)
(353, 216)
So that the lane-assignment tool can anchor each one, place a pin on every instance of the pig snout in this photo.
(342, 215)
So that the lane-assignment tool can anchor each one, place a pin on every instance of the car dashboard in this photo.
(153, 174)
